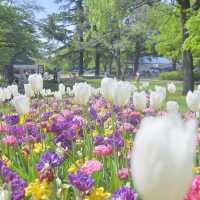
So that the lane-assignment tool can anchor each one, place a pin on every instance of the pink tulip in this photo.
(103, 150)
(91, 166)
(10, 140)
(123, 173)
(194, 193)
(3, 128)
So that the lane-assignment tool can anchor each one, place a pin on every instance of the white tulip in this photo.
(171, 88)
(28, 90)
(36, 82)
(46, 92)
(69, 91)
(7, 93)
(95, 91)
(193, 100)
(49, 92)
(43, 92)
(13, 89)
(21, 104)
(156, 100)
(58, 95)
(162, 91)
(4, 194)
(2, 96)
(121, 93)
(139, 100)
(82, 93)
(172, 107)
(163, 157)
(62, 88)
(107, 85)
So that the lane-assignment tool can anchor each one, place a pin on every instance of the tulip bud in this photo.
(7, 94)
(121, 93)
(61, 88)
(2, 96)
(21, 104)
(28, 90)
(156, 100)
(107, 87)
(139, 100)
(172, 107)
(36, 82)
(13, 89)
(162, 91)
(171, 88)
(82, 93)
(193, 100)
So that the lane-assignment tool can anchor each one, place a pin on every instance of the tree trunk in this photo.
(97, 60)
(174, 64)
(118, 62)
(110, 66)
(137, 58)
(81, 40)
(81, 62)
(9, 73)
(187, 55)
(104, 68)
(124, 73)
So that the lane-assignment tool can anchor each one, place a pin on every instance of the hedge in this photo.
(177, 76)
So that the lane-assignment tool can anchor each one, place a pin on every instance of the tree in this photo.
(166, 26)
(73, 15)
(193, 41)
(107, 16)
(18, 39)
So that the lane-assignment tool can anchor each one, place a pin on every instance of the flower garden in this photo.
(122, 141)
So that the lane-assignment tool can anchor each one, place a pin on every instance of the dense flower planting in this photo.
(116, 142)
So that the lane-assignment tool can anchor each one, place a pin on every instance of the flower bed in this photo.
(80, 144)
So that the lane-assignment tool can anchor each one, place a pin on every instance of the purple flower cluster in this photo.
(12, 119)
(30, 133)
(124, 193)
(67, 128)
(100, 118)
(34, 134)
(17, 184)
(98, 140)
(116, 140)
(46, 116)
(49, 160)
(18, 132)
(81, 181)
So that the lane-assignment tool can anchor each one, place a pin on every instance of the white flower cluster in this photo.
(7, 93)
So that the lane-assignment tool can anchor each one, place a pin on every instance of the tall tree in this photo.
(73, 14)
(19, 41)
(165, 17)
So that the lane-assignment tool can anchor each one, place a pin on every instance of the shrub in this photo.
(177, 76)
